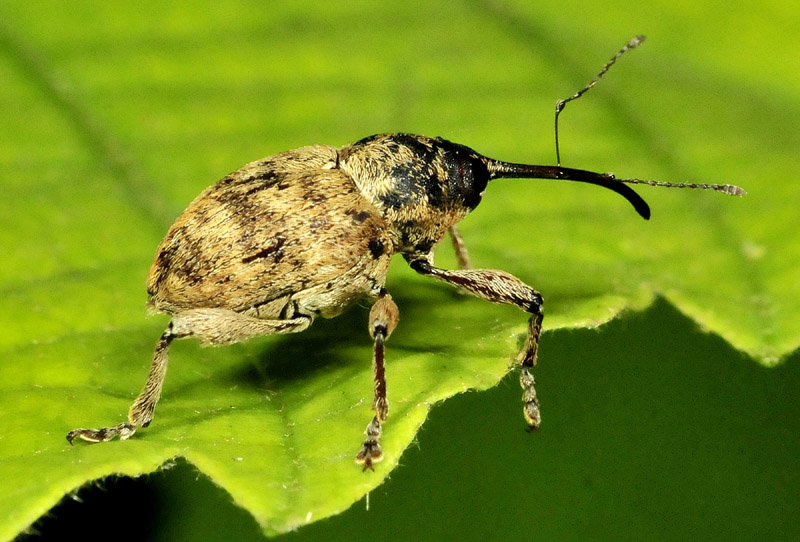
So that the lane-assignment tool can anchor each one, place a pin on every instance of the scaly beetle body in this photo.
(310, 232)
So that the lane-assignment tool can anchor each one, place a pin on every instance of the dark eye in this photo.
(464, 173)
(472, 179)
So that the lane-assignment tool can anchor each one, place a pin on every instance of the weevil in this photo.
(310, 232)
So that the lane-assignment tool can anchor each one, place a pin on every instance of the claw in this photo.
(369, 455)
(371, 450)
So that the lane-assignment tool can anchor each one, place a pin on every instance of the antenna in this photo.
(635, 42)
(730, 189)
(608, 179)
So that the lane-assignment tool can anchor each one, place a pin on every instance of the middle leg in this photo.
(383, 319)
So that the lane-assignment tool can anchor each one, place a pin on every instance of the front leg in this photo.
(383, 319)
(501, 287)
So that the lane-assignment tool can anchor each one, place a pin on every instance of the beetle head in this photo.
(410, 176)
(402, 173)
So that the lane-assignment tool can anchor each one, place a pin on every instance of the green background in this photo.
(668, 422)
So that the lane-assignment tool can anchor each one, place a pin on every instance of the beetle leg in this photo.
(502, 287)
(460, 247)
(141, 412)
(383, 319)
(210, 326)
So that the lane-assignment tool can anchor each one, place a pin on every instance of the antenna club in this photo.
(733, 190)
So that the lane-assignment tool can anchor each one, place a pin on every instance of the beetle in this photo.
(311, 231)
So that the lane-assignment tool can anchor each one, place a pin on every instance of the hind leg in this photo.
(210, 326)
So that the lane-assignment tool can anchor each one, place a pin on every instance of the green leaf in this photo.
(115, 118)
